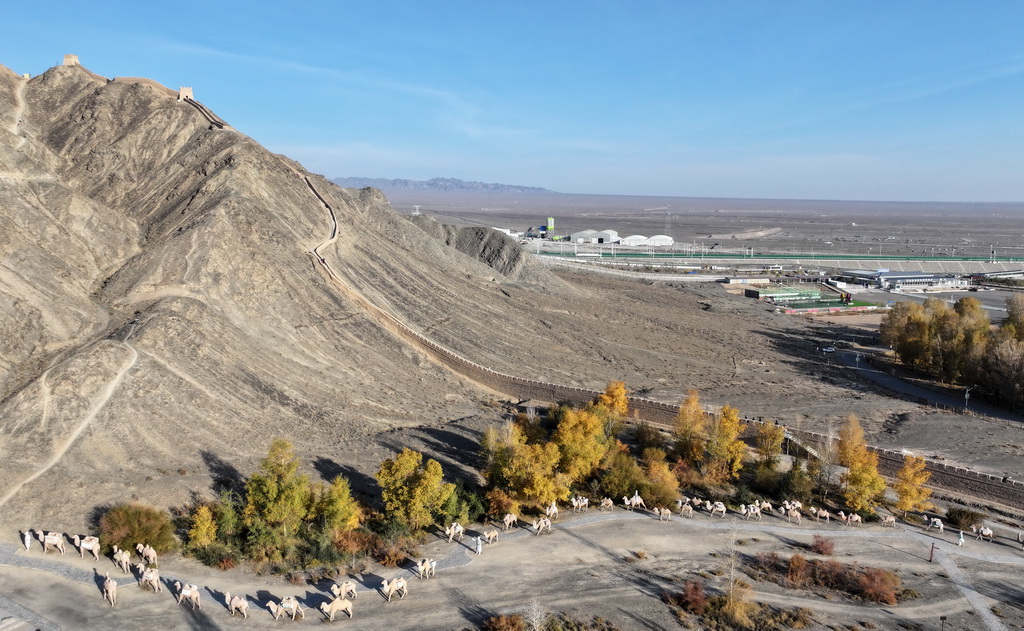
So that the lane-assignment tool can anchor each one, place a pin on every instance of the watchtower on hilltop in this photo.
(71, 60)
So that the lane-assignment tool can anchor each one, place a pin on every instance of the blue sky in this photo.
(868, 100)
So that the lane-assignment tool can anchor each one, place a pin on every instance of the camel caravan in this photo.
(341, 595)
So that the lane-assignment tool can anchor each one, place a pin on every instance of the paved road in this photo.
(944, 397)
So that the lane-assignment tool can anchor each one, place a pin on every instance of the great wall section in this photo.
(957, 480)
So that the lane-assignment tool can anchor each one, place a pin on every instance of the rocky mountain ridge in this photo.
(436, 184)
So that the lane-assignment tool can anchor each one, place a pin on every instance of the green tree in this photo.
(333, 509)
(911, 492)
(413, 492)
(621, 475)
(277, 498)
(662, 485)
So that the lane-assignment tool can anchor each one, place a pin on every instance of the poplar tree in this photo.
(768, 444)
(863, 485)
(725, 450)
(581, 442)
(277, 498)
(690, 430)
(911, 493)
(413, 491)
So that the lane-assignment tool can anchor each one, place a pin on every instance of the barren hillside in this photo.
(162, 309)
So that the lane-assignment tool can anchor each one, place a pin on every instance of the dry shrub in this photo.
(356, 542)
(513, 622)
(688, 476)
(296, 578)
(227, 563)
(737, 609)
(500, 503)
(832, 574)
(798, 570)
(963, 518)
(124, 525)
(768, 562)
(694, 599)
(823, 545)
(878, 585)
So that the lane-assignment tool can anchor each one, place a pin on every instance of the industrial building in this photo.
(897, 281)
(594, 236)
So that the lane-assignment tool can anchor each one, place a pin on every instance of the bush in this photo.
(963, 518)
(647, 437)
(513, 622)
(798, 570)
(125, 525)
(694, 599)
(742, 495)
(500, 503)
(832, 574)
(823, 545)
(878, 585)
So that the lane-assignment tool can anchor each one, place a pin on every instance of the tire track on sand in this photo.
(93, 411)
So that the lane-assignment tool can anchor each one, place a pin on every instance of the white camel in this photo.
(820, 513)
(853, 519)
(765, 506)
(663, 514)
(579, 503)
(751, 510)
(792, 514)
(983, 532)
(336, 605)
(54, 539)
(237, 604)
(122, 559)
(146, 553)
(889, 520)
(288, 605)
(149, 577)
(109, 589)
(397, 585)
(540, 525)
(345, 589)
(717, 507)
(552, 511)
(509, 521)
(189, 592)
(637, 501)
(491, 536)
(686, 510)
(606, 503)
(936, 523)
(455, 530)
(90, 543)
(424, 569)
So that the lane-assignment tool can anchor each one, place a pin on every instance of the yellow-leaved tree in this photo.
(204, 529)
(768, 445)
(690, 430)
(863, 485)
(615, 399)
(581, 441)
(911, 492)
(413, 491)
(724, 448)
(527, 472)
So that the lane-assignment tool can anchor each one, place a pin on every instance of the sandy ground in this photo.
(614, 565)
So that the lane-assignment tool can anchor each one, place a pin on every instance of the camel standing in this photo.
(288, 605)
(819, 513)
(551, 511)
(237, 604)
(109, 589)
(792, 514)
(491, 536)
(455, 530)
(122, 559)
(54, 539)
(425, 568)
(509, 521)
(336, 605)
(189, 592)
(983, 532)
(345, 589)
(149, 577)
(935, 522)
(146, 553)
(606, 503)
(396, 585)
(541, 524)
(90, 543)
(889, 520)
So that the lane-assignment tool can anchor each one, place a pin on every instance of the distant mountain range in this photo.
(435, 184)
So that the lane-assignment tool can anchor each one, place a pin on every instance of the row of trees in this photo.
(957, 344)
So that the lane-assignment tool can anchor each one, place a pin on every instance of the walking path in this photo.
(461, 554)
